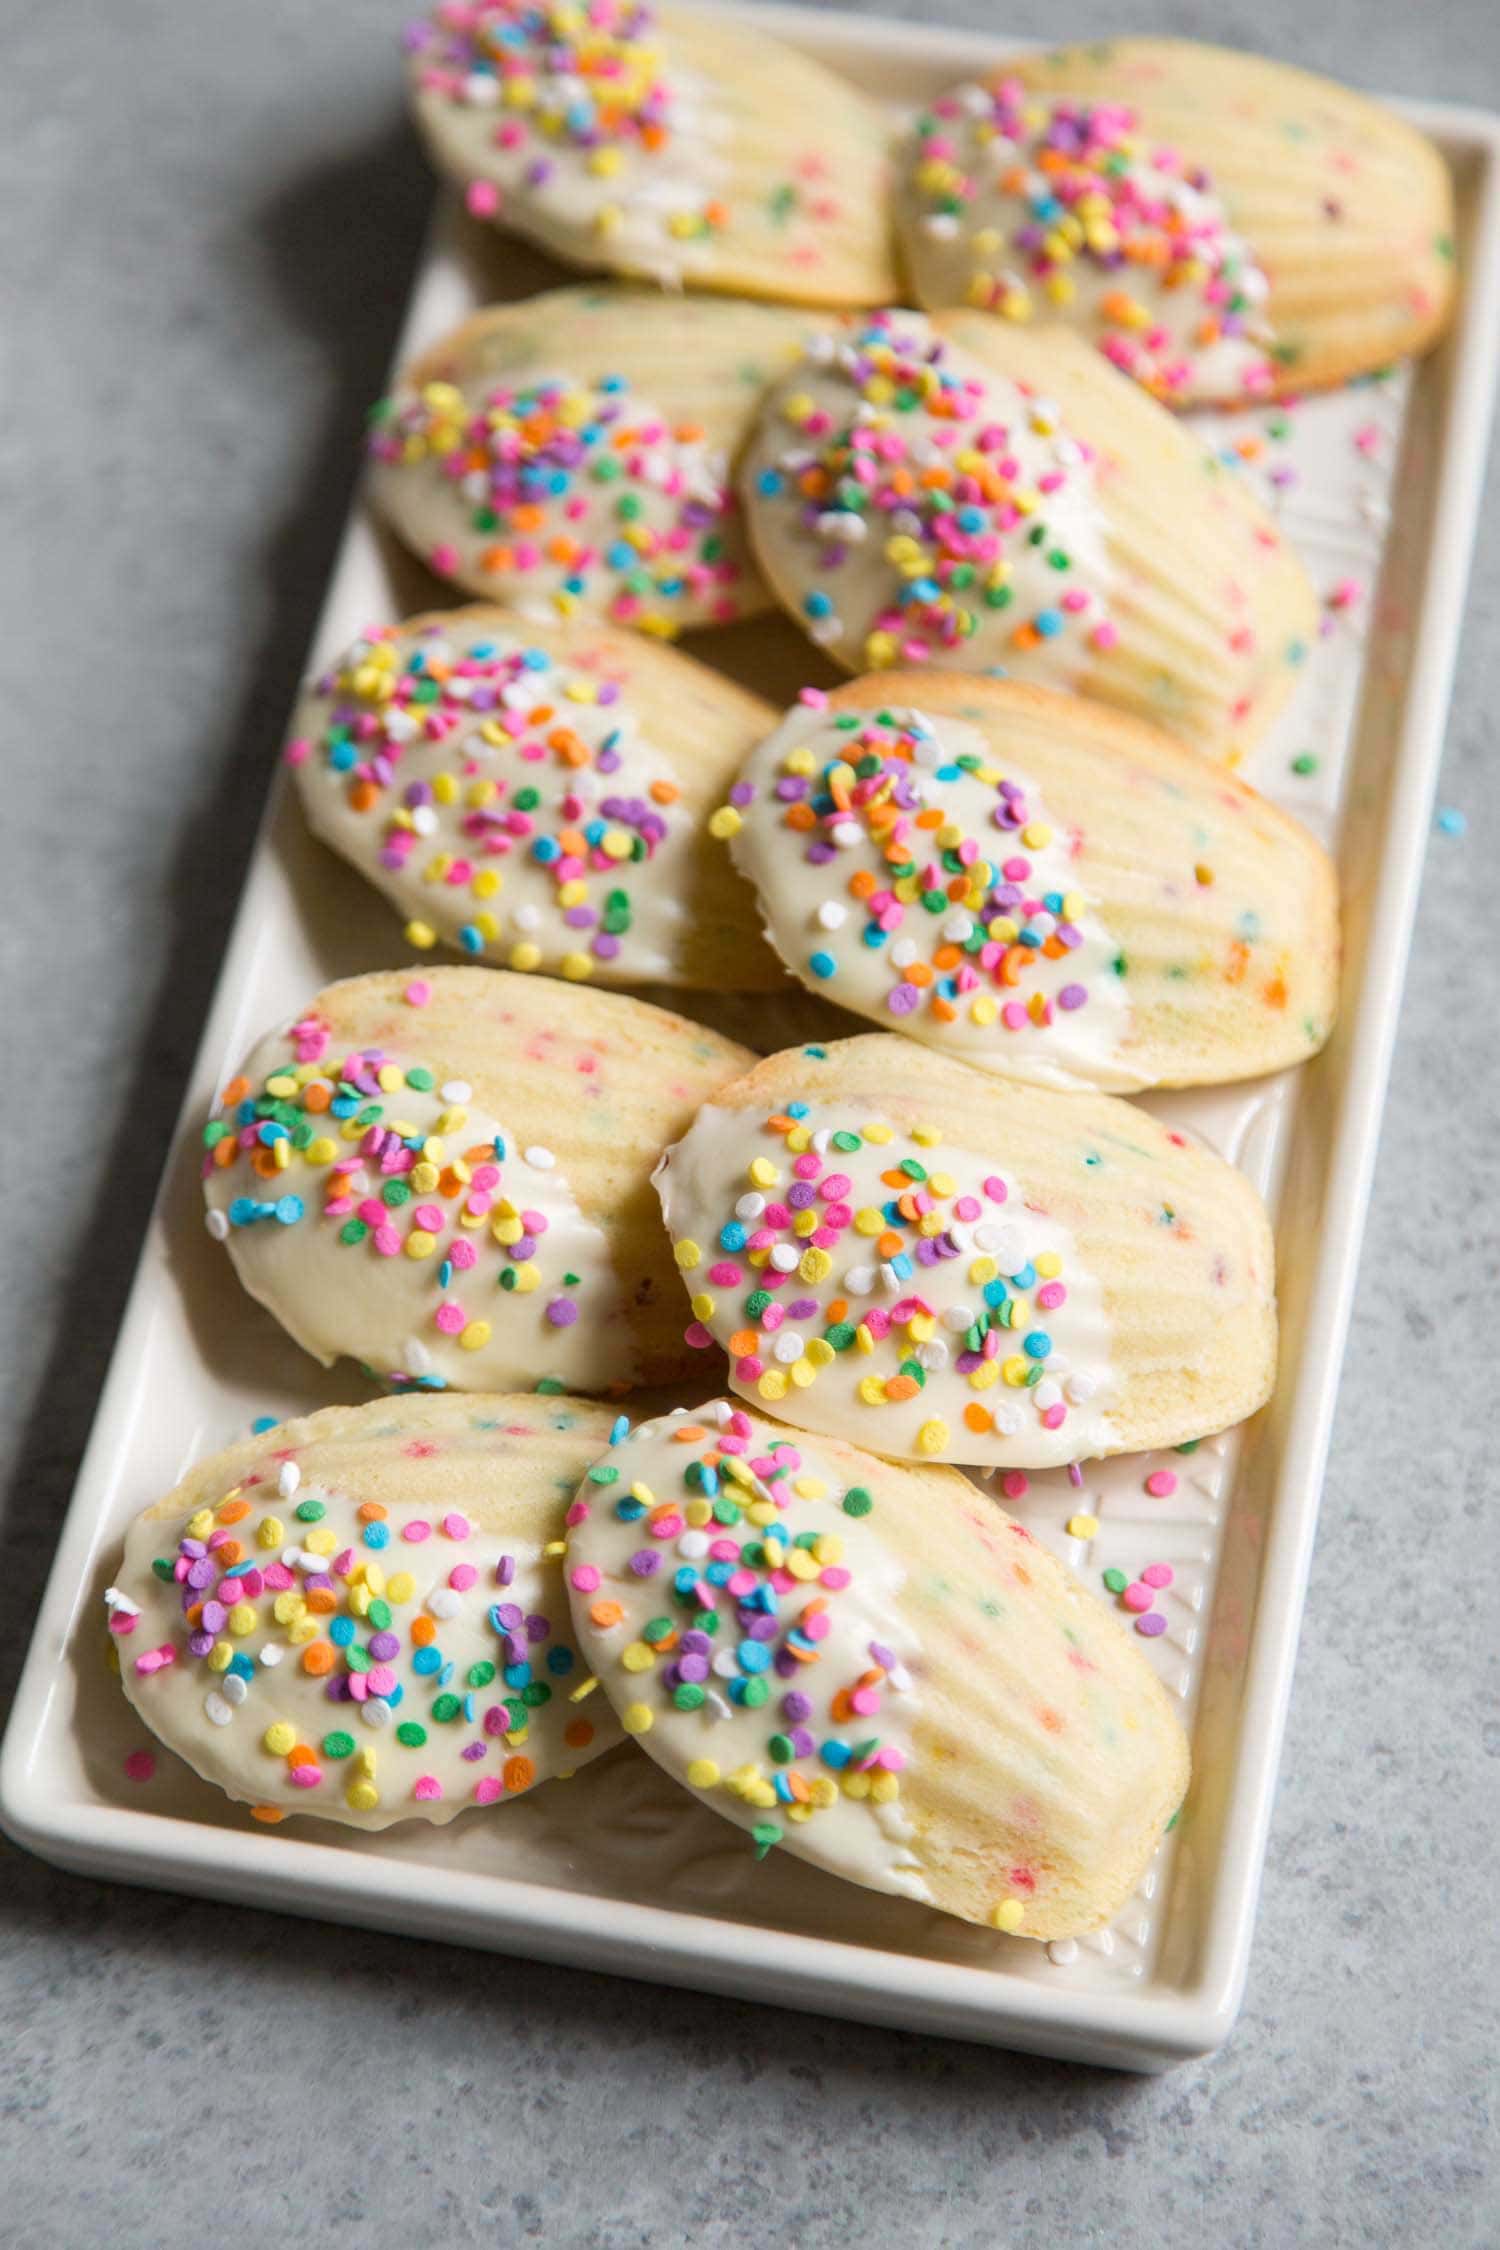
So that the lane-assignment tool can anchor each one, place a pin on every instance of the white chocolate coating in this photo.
(311, 1648)
(1015, 971)
(1040, 207)
(407, 1230)
(873, 1667)
(865, 559)
(506, 788)
(907, 1298)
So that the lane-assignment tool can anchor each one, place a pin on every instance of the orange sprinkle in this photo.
(317, 1657)
(234, 1511)
(901, 1386)
(372, 1511)
(229, 1552)
(235, 1091)
(321, 1600)
(743, 1342)
(979, 1419)
(302, 1754)
(578, 1734)
(423, 1631)
(317, 1096)
(518, 1773)
(690, 1432)
(605, 1614)
(270, 1814)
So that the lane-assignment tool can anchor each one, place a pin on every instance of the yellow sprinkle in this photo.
(420, 1244)
(200, 1524)
(322, 1150)
(926, 1136)
(401, 1588)
(688, 1254)
(1082, 1527)
(1048, 1264)
(856, 1785)
(1015, 1370)
(763, 1172)
(824, 1790)
(638, 1657)
(885, 1788)
(637, 1718)
(220, 1656)
(880, 1134)
(576, 967)
(702, 1773)
(869, 1220)
(697, 1513)
(279, 1738)
(815, 1265)
(475, 1336)
(725, 822)
(773, 1384)
(241, 1619)
(361, 1796)
(933, 1436)
(271, 1532)
(321, 1540)
(1009, 1914)
(525, 955)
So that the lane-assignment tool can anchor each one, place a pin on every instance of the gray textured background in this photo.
(211, 209)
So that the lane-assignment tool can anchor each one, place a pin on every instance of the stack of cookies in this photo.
(1000, 879)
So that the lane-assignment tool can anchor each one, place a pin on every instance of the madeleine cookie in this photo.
(1224, 228)
(941, 1266)
(970, 495)
(874, 1667)
(447, 1178)
(570, 455)
(660, 142)
(361, 1615)
(1037, 885)
(539, 794)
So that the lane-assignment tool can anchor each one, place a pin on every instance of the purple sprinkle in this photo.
(902, 998)
(742, 793)
(505, 1570)
(644, 1563)
(695, 1643)
(1072, 996)
(562, 1312)
(509, 1614)
(473, 1750)
(1151, 1624)
(693, 1667)
(383, 1646)
(884, 1657)
(796, 1706)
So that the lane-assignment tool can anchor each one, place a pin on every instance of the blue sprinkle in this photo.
(341, 1632)
(289, 1210)
(1037, 1344)
(1451, 822)
(1049, 623)
(619, 1429)
(261, 1424)
(470, 939)
(425, 1660)
(754, 1656)
(836, 1754)
(822, 964)
(377, 1535)
(769, 483)
(560, 1662)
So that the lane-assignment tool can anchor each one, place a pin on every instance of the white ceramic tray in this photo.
(1379, 489)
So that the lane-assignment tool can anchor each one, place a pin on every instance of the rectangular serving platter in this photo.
(1378, 487)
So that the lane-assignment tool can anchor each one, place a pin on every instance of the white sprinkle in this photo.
(114, 1599)
(1081, 1386)
(787, 1347)
(540, 1159)
(845, 832)
(376, 1712)
(217, 1223)
(860, 1280)
(903, 953)
(1047, 1393)
(1007, 1419)
(1063, 1951)
(750, 1206)
(289, 1479)
(235, 1688)
(958, 1318)
(692, 1544)
(726, 1664)
(444, 1602)
(218, 1712)
(424, 820)
(933, 1355)
(785, 1257)
(832, 916)
(271, 1655)
(457, 1090)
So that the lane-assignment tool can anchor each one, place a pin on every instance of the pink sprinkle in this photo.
(380, 1679)
(481, 201)
(866, 1701)
(1157, 1574)
(584, 1580)
(299, 751)
(417, 993)
(462, 1576)
(427, 1788)
(140, 1765)
(416, 1531)
(1015, 1484)
(815, 698)
(1137, 1597)
(456, 1526)
(1161, 1484)
(488, 1789)
(305, 1777)
(835, 1578)
(444, 560)
(450, 1318)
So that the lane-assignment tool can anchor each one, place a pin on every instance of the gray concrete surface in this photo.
(209, 215)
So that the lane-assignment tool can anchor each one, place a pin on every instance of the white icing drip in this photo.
(700, 1181)
(808, 914)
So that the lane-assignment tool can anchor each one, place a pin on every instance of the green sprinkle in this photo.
(857, 1501)
(411, 1734)
(446, 1707)
(310, 1511)
(1116, 1581)
(480, 1674)
(338, 1745)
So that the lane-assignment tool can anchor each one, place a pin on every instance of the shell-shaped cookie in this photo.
(361, 1615)
(942, 1266)
(873, 1667)
(538, 795)
(971, 495)
(447, 1178)
(1223, 227)
(1037, 885)
(690, 149)
(570, 455)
